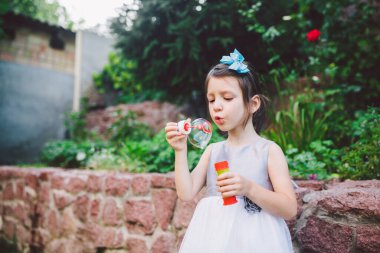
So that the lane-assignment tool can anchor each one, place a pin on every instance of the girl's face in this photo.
(225, 103)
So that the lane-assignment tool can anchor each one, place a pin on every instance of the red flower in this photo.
(313, 35)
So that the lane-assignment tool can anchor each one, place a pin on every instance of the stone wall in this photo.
(55, 210)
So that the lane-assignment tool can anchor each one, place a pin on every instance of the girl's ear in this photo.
(254, 104)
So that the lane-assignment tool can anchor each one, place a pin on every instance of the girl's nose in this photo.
(217, 106)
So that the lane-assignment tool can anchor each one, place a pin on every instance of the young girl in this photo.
(258, 176)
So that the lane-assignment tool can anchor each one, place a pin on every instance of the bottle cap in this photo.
(221, 165)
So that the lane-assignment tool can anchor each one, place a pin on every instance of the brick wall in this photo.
(32, 47)
(75, 211)
(82, 211)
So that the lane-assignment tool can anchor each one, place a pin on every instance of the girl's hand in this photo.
(232, 184)
(175, 139)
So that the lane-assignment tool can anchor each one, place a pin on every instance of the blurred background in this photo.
(90, 85)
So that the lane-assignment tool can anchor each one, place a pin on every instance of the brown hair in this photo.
(250, 87)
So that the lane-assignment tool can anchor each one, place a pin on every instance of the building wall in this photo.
(37, 87)
(95, 51)
(33, 101)
(31, 47)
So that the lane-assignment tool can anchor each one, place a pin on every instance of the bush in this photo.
(128, 128)
(156, 155)
(107, 159)
(362, 159)
(69, 154)
(319, 161)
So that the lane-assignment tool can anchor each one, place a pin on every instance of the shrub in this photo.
(362, 159)
(69, 154)
(319, 161)
(156, 155)
(128, 128)
(106, 159)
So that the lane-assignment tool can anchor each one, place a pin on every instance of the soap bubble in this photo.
(201, 131)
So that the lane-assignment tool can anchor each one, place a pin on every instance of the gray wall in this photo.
(95, 51)
(33, 101)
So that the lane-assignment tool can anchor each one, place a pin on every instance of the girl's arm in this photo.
(280, 202)
(187, 185)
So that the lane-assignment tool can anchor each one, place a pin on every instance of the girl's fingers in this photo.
(171, 128)
(225, 176)
(224, 182)
(229, 194)
(173, 134)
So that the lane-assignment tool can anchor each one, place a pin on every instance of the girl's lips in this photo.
(218, 120)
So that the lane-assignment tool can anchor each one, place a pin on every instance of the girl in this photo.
(258, 176)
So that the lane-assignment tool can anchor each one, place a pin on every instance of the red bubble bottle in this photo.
(222, 167)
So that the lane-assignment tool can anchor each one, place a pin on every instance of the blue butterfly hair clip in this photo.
(235, 62)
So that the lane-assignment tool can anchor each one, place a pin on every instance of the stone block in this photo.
(165, 243)
(62, 199)
(140, 184)
(164, 201)
(163, 180)
(116, 185)
(325, 236)
(81, 207)
(111, 213)
(368, 238)
(140, 216)
(183, 213)
(135, 245)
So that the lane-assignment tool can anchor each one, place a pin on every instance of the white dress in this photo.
(216, 228)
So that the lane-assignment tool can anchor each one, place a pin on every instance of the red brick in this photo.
(57, 182)
(164, 201)
(164, 243)
(163, 180)
(95, 209)
(183, 213)
(135, 245)
(75, 185)
(116, 186)
(62, 199)
(94, 183)
(8, 192)
(140, 217)
(111, 213)
(140, 184)
(81, 207)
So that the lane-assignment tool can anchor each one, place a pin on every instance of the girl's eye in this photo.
(211, 101)
(228, 99)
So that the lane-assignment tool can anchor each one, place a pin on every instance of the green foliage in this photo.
(362, 159)
(319, 159)
(107, 159)
(174, 43)
(46, 11)
(299, 124)
(75, 124)
(127, 128)
(156, 155)
(344, 53)
(69, 154)
(118, 76)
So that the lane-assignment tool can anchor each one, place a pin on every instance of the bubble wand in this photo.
(199, 131)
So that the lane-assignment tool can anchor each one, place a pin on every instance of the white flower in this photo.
(315, 79)
(81, 156)
(286, 18)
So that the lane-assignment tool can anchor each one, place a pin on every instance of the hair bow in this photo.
(235, 62)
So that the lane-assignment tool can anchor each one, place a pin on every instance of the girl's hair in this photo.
(250, 87)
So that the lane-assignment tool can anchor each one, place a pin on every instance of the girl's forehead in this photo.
(223, 84)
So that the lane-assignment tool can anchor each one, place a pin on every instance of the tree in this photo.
(175, 42)
(50, 12)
